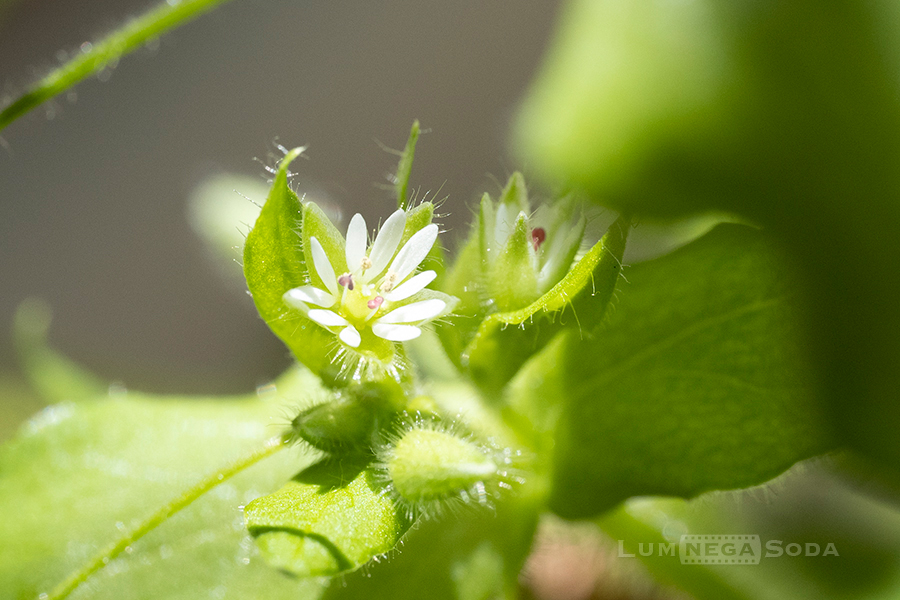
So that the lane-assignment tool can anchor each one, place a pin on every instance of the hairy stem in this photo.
(93, 57)
(102, 559)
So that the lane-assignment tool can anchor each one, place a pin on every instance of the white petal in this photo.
(350, 336)
(328, 318)
(415, 312)
(416, 284)
(396, 333)
(357, 240)
(323, 266)
(386, 243)
(504, 223)
(414, 252)
(308, 294)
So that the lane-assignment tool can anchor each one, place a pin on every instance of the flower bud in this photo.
(427, 465)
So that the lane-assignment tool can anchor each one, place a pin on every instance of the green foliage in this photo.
(784, 114)
(93, 470)
(697, 383)
(331, 518)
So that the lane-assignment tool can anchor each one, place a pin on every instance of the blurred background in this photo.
(95, 188)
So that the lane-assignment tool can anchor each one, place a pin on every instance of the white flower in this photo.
(372, 294)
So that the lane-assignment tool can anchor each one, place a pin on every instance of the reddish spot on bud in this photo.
(538, 235)
(375, 302)
(346, 280)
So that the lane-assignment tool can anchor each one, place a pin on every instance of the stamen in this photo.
(375, 302)
(538, 235)
(365, 263)
(389, 280)
(346, 280)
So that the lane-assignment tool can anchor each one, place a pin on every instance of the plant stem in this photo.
(94, 57)
(65, 588)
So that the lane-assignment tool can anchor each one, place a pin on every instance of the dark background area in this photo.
(94, 186)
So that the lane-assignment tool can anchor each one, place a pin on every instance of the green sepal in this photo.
(505, 340)
(464, 281)
(515, 194)
(352, 419)
(417, 218)
(487, 244)
(331, 518)
(404, 166)
(336, 426)
(512, 278)
(317, 224)
(274, 263)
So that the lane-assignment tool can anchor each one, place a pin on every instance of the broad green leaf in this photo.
(505, 340)
(697, 383)
(95, 56)
(786, 115)
(274, 263)
(404, 167)
(331, 518)
(78, 475)
(476, 555)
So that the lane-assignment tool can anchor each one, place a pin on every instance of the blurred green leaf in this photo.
(333, 517)
(55, 377)
(784, 113)
(79, 475)
(274, 263)
(697, 382)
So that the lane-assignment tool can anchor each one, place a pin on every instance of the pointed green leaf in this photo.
(505, 340)
(697, 382)
(78, 475)
(404, 167)
(274, 263)
(512, 279)
(331, 518)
